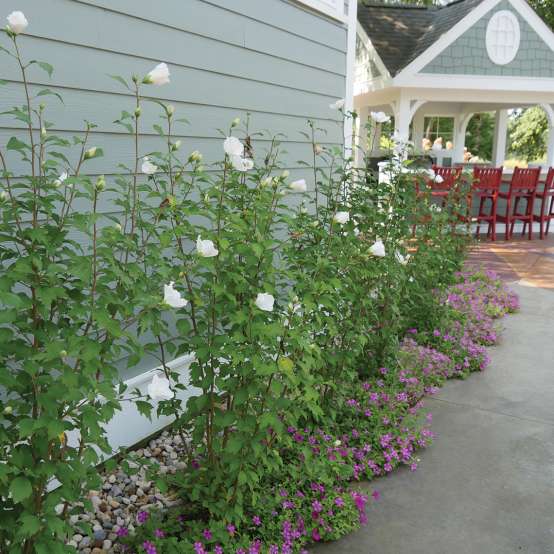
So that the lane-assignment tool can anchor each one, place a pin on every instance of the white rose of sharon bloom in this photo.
(265, 301)
(158, 388)
(378, 249)
(173, 297)
(158, 76)
(61, 179)
(242, 164)
(148, 167)
(233, 147)
(380, 117)
(401, 259)
(206, 248)
(299, 186)
(338, 105)
(17, 22)
(341, 218)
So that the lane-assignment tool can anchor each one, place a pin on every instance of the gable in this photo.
(467, 55)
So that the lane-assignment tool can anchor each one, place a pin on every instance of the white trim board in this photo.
(331, 8)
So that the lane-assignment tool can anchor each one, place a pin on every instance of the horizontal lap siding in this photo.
(273, 59)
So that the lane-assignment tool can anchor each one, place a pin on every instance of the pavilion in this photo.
(453, 61)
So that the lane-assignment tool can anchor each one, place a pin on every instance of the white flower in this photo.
(401, 259)
(380, 117)
(356, 231)
(196, 156)
(159, 389)
(337, 443)
(206, 248)
(148, 167)
(17, 22)
(265, 301)
(338, 105)
(299, 186)
(378, 249)
(341, 218)
(439, 179)
(435, 208)
(158, 76)
(242, 164)
(233, 147)
(173, 297)
(61, 179)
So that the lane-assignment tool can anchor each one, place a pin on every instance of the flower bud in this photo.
(195, 156)
(176, 145)
(303, 210)
(3, 196)
(170, 109)
(285, 174)
(200, 168)
(42, 106)
(8, 410)
(118, 227)
(315, 223)
(318, 149)
(235, 122)
(43, 132)
(90, 153)
(138, 111)
(101, 183)
(266, 181)
(63, 353)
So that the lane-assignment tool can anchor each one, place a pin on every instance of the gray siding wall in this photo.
(271, 58)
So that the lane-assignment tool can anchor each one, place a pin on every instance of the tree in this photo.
(528, 130)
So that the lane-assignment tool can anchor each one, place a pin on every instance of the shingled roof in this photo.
(400, 33)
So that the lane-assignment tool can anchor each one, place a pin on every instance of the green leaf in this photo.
(16, 144)
(30, 525)
(48, 92)
(21, 489)
(43, 65)
(120, 80)
(144, 408)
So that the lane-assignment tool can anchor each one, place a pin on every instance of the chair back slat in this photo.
(549, 183)
(450, 176)
(525, 179)
(487, 179)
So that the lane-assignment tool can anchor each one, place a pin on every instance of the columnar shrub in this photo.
(285, 292)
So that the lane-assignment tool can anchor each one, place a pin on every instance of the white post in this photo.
(419, 131)
(500, 138)
(361, 135)
(460, 128)
(402, 120)
(550, 146)
(350, 71)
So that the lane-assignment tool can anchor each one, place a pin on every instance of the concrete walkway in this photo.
(486, 486)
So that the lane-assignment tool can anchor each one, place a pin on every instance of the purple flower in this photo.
(256, 521)
(142, 517)
(122, 532)
(207, 534)
(339, 502)
(218, 549)
(231, 529)
(159, 534)
(149, 547)
(199, 548)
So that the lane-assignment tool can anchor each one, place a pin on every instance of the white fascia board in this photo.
(385, 73)
(475, 82)
(447, 39)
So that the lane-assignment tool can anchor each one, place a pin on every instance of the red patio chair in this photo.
(523, 187)
(485, 188)
(450, 179)
(546, 197)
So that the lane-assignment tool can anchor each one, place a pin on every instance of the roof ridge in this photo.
(401, 6)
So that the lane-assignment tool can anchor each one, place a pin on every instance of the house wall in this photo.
(278, 60)
(468, 54)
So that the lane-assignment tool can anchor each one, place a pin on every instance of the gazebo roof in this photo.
(400, 33)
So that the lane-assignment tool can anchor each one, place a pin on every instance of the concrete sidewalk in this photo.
(486, 485)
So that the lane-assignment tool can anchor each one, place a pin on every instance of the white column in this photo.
(402, 120)
(500, 138)
(361, 134)
(418, 131)
(550, 139)
(350, 70)
(460, 128)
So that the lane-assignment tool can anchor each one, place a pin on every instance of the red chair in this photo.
(450, 177)
(523, 187)
(485, 188)
(546, 196)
